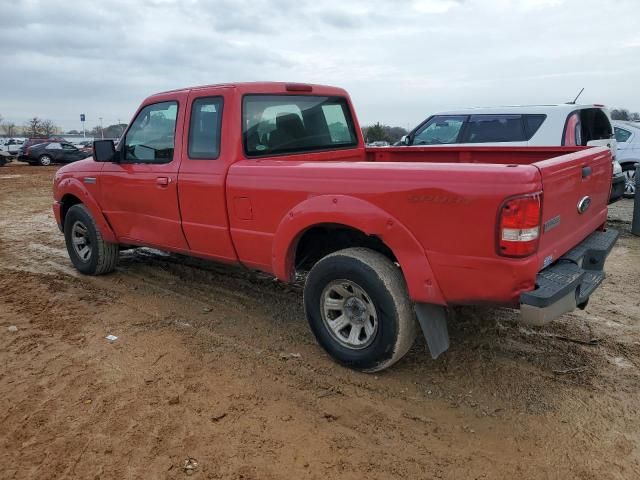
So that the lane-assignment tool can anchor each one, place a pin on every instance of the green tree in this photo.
(375, 133)
(620, 114)
(114, 131)
(382, 133)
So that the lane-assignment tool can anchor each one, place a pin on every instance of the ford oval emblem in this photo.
(584, 204)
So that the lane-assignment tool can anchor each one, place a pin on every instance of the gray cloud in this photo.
(400, 61)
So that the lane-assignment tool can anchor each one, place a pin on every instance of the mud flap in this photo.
(433, 321)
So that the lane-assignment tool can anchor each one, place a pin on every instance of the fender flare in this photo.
(361, 215)
(72, 186)
(632, 161)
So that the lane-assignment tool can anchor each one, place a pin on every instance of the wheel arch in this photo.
(75, 193)
(367, 225)
(629, 161)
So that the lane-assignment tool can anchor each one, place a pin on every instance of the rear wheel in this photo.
(629, 172)
(88, 251)
(44, 160)
(358, 308)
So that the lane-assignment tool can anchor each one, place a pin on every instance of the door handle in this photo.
(163, 181)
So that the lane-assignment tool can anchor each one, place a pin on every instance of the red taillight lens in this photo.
(519, 225)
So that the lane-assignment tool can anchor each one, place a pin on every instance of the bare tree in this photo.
(33, 127)
(10, 129)
(48, 128)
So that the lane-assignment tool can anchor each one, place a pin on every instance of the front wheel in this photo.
(88, 251)
(629, 172)
(358, 308)
(44, 160)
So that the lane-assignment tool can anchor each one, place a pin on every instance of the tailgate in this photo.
(575, 197)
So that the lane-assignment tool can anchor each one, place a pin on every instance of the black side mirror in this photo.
(104, 151)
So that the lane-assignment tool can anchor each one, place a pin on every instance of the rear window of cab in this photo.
(284, 124)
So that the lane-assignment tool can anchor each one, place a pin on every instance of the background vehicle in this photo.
(628, 140)
(564, 124)
(12, 145)
(275, 177)
(55, 152)
(35, 141)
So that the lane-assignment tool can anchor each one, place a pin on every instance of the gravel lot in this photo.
(217, 365)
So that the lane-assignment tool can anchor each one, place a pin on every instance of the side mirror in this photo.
(404, 140)
(104, 151)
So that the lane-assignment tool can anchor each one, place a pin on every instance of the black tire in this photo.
(629, 190)
(103, 256)
(382, 282)
(45, 160)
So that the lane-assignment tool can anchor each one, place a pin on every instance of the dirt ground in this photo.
(217, 365)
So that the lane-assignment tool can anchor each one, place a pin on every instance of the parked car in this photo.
(381, 235)
(54, 152)
(565, 124)
(628, 139)
(4, 158)
(12, 146)
(35, 141)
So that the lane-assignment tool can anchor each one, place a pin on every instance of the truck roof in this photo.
(267, 87)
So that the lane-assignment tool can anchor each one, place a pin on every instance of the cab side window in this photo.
(151, 138)
(205, 127)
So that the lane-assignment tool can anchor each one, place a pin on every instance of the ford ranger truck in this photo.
(275, 177)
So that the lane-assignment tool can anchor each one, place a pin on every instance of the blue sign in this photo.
(82, 117)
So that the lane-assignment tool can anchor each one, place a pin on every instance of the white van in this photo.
(529, 125)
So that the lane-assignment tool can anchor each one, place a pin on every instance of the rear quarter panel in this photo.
(450, 209)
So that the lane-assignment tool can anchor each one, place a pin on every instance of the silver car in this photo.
(628, 139)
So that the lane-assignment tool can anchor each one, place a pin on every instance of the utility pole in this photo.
(82, 118)
(101, 129)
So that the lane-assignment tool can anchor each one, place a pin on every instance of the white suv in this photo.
(535, 125)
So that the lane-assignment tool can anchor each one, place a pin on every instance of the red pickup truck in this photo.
(275, 176)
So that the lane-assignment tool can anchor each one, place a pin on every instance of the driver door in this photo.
(139, 193)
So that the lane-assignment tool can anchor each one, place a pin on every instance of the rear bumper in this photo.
(617, 187)
(569, 282)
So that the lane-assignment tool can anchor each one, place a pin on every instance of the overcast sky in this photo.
(399, 60)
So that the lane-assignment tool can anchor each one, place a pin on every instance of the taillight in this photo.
(519, 225)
